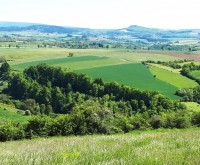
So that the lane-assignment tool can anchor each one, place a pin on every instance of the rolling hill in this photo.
(133, 32)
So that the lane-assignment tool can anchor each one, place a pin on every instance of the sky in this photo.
(104, 14)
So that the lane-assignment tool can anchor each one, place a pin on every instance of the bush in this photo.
(61, 125)
(123, 123)
(140, 121)
(196, 119)
(179, 119)
(39, 125)
(156, 121)
(10, 132)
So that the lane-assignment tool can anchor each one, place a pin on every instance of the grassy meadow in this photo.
(192, 106)
(9, 113)
(195, 74)
(139, 147)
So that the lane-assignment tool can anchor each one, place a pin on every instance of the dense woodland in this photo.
(66, 103)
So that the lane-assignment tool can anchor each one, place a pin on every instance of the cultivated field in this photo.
(148, 147)
(60, 61)
(135, 75)
(172, 78)
(23, 55)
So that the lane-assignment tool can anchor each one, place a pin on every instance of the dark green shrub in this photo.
(10, 132)
(39, 125)
(196, 119)
(156, 121)
(140, 121)
(123, 123)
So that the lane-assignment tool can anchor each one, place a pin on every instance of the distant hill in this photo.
(152, 34)
(131, 32)
(16, 24)
(39, 28)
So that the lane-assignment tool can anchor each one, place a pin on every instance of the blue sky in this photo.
(166, 14)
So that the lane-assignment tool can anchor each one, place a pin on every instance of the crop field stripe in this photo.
(90, 64)
(135, 75)
(60, 61)
(172, 78)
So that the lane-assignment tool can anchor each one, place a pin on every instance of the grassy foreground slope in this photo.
(153, 147)
(135, 75)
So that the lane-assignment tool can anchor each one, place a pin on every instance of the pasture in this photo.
(139, 147)
(8, 113)
(195, 74)
(134, 75)
(192, 106)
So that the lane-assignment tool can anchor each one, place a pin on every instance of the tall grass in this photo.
(162, 147)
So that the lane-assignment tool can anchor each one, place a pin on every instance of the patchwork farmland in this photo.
(111, 65)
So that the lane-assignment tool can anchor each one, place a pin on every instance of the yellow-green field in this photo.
(192, 106)
(195, 74)
(172, 78)
(9, 113)
(165, 68)
(24, 55)
(148, 147)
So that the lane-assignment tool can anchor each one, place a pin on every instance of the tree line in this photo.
(173, 64)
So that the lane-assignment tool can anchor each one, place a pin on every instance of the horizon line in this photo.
(69, 26)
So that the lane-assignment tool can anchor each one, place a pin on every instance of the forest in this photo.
(66, 103)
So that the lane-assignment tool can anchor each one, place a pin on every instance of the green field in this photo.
(172, 78)
(148, 147)
(59, 61)
(165, 68)
(12, 114)
(192, 106)
(135, 75)
(29, 54)
(195, 74)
